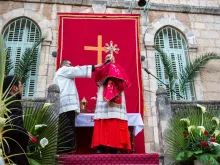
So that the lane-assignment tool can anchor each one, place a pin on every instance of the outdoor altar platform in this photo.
(86, 156)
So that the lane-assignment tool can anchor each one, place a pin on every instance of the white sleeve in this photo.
(77, 71)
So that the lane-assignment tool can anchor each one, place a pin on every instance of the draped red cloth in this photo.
(81, 38)
(114, 79)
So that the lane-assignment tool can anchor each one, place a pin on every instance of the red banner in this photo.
(81, 40)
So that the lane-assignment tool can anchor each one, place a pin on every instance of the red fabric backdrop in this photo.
(79, 30)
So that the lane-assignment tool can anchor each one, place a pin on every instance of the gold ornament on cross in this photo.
(111, 48)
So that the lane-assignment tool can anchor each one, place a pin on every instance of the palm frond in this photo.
(174, 134)
(6, 127)
(9, 63)
(65, 135)
(2, 64)
(26, 62)
(168, 69)
(191, 68)
(172, 137)
(4, 102)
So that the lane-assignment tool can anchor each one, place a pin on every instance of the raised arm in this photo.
(77, 71)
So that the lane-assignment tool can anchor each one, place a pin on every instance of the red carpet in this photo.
(110, 159)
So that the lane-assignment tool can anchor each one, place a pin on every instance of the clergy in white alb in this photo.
(69, 102)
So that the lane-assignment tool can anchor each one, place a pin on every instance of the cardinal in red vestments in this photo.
(110, 119)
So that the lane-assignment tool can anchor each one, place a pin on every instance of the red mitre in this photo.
(114, 80)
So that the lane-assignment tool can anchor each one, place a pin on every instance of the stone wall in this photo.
(212, 3)
(191, 2)
(199, 24)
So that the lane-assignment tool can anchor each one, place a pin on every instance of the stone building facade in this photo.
(197, 20)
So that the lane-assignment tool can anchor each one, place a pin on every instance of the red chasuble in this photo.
(115, 82)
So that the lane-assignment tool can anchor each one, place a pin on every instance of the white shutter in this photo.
(174, 45)
(19, 35)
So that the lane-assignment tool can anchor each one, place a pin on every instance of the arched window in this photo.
(172, 42)
(20, 34)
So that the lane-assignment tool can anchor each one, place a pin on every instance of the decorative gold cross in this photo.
(99, 49)
(111, 48)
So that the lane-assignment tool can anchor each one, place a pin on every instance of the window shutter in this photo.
(19, 35)
(174, 45)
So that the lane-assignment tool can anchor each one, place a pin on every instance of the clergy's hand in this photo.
(107, 58)
(98, 65)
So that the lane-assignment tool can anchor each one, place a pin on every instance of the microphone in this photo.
(148, 72)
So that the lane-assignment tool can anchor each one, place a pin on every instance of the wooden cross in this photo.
(99, 49)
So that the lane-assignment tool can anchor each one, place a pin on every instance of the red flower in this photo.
(204, 144)
(33, 139)
(212, 139)
(206, 132)
(186, 134)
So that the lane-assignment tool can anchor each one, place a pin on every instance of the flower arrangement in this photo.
(35, 146)
(40, 140)
(201, 143)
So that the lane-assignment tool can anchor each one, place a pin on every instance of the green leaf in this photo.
(168, 68)
(26, 62)
(33, 162)
(217, 151)
(2, 63)
(9, 63)
(198, 152)
(207, 159)
(184, 155)
(191, 68)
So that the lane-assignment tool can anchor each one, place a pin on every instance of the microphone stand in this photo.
(145, 69)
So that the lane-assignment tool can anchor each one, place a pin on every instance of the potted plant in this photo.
(198, 137)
